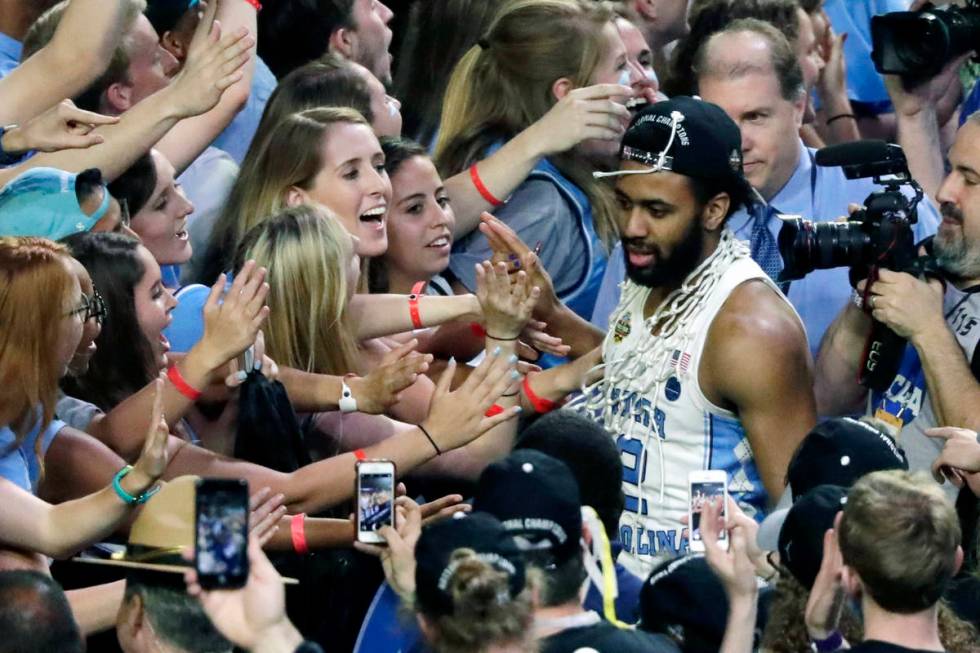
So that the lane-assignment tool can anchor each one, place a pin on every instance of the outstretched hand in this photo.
(508, 248)
(214, 62)
(459, 417)
(398, 557)
(381, 388)
(255, 615)
(232, 319)
(506, 302)
(62, 127)
(153, 459)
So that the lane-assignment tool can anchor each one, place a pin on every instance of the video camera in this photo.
(878, 236)
(917, 44)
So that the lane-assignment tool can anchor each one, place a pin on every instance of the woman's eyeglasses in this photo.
(91, 308)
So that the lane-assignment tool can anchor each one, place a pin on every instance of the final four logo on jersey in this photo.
(622, 328)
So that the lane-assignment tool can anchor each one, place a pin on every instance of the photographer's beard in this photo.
(665, 271)
(956, 256)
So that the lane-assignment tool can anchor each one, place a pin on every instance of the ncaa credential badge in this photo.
(622, 328)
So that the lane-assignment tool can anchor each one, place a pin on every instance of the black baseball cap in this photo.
(800, 541)
(435, 563)
(536, 498)
(683, 597)
(685, 135)
(839, 452)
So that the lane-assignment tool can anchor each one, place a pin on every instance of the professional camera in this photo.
(878, 236)
(917, 44)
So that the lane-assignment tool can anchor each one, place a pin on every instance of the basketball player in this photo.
(706, 362)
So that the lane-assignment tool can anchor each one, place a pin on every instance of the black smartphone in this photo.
(221, 533)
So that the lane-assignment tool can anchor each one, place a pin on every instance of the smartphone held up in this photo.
(375, 494)
(221, 533)
(707, 485)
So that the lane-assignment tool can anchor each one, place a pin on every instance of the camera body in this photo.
(917, 44)
(880, 235)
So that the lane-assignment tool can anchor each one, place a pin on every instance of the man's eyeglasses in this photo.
(91, 308)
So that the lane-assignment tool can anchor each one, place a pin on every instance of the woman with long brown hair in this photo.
(534, 54)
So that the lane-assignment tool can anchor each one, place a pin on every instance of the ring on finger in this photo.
(871, 301)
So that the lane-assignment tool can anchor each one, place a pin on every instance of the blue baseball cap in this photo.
(42, 202)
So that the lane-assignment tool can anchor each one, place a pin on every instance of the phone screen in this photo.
(375, 501)
(220, 554)
(702, 492)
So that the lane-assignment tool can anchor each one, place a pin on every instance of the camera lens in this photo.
(807, 246)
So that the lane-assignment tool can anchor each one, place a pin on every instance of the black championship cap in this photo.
(164, 14)
(801, 534)
(685, 135)
(435, 564)
(536, 498)
(683, 598)
(839, 452)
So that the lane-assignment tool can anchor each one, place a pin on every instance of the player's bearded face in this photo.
(668, 267)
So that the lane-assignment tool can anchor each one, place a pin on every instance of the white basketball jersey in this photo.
(664, 437)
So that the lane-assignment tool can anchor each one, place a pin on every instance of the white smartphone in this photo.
(375, 494)
(706, 485)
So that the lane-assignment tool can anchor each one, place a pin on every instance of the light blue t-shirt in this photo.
(816, 193)
(237, 136)
(864, 84)
(19, 464)
(10, 51)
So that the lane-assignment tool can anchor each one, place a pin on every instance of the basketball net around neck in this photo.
(670, 328)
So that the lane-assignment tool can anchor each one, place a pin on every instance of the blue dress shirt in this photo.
(816, 193)
(237, 136)
(10, 50)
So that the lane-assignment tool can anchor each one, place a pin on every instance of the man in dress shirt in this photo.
(750, 70)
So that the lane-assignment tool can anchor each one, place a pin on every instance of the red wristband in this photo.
(478, 330)
(496, 409)
(481, 189)
(413, 304)
(297, 528)
(256, 4)
(360, 455)
(183, 387)
(540, 404)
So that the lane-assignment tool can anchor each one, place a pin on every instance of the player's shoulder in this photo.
(756, 318)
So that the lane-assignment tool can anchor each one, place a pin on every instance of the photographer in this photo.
(937, 382)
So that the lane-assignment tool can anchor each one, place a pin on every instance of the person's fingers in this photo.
(257, 301)
(257, 498)
(446, 378)
(488, 423)
(215, 294)
(399, 352)
(433, 507)
(597, 91)
(234, 293)
(69, 112)
(944, 432)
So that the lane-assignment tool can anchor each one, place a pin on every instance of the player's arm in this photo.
(759, 365)
(839, 362)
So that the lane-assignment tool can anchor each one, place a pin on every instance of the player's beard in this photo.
(667, 271)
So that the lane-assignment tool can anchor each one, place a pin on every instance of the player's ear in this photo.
(715, 211)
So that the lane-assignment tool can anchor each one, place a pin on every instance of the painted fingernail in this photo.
(496, 351)
(452, 360)
(241, 376)
(512, 359)
(258, 365)
(517, 265)
(512, 257)
(519, 409)
(515, 375)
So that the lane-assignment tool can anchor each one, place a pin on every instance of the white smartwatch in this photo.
(347, 402)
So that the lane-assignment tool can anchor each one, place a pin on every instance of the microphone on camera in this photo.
(870, 158)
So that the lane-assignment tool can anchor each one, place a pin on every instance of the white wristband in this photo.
(347, 402)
